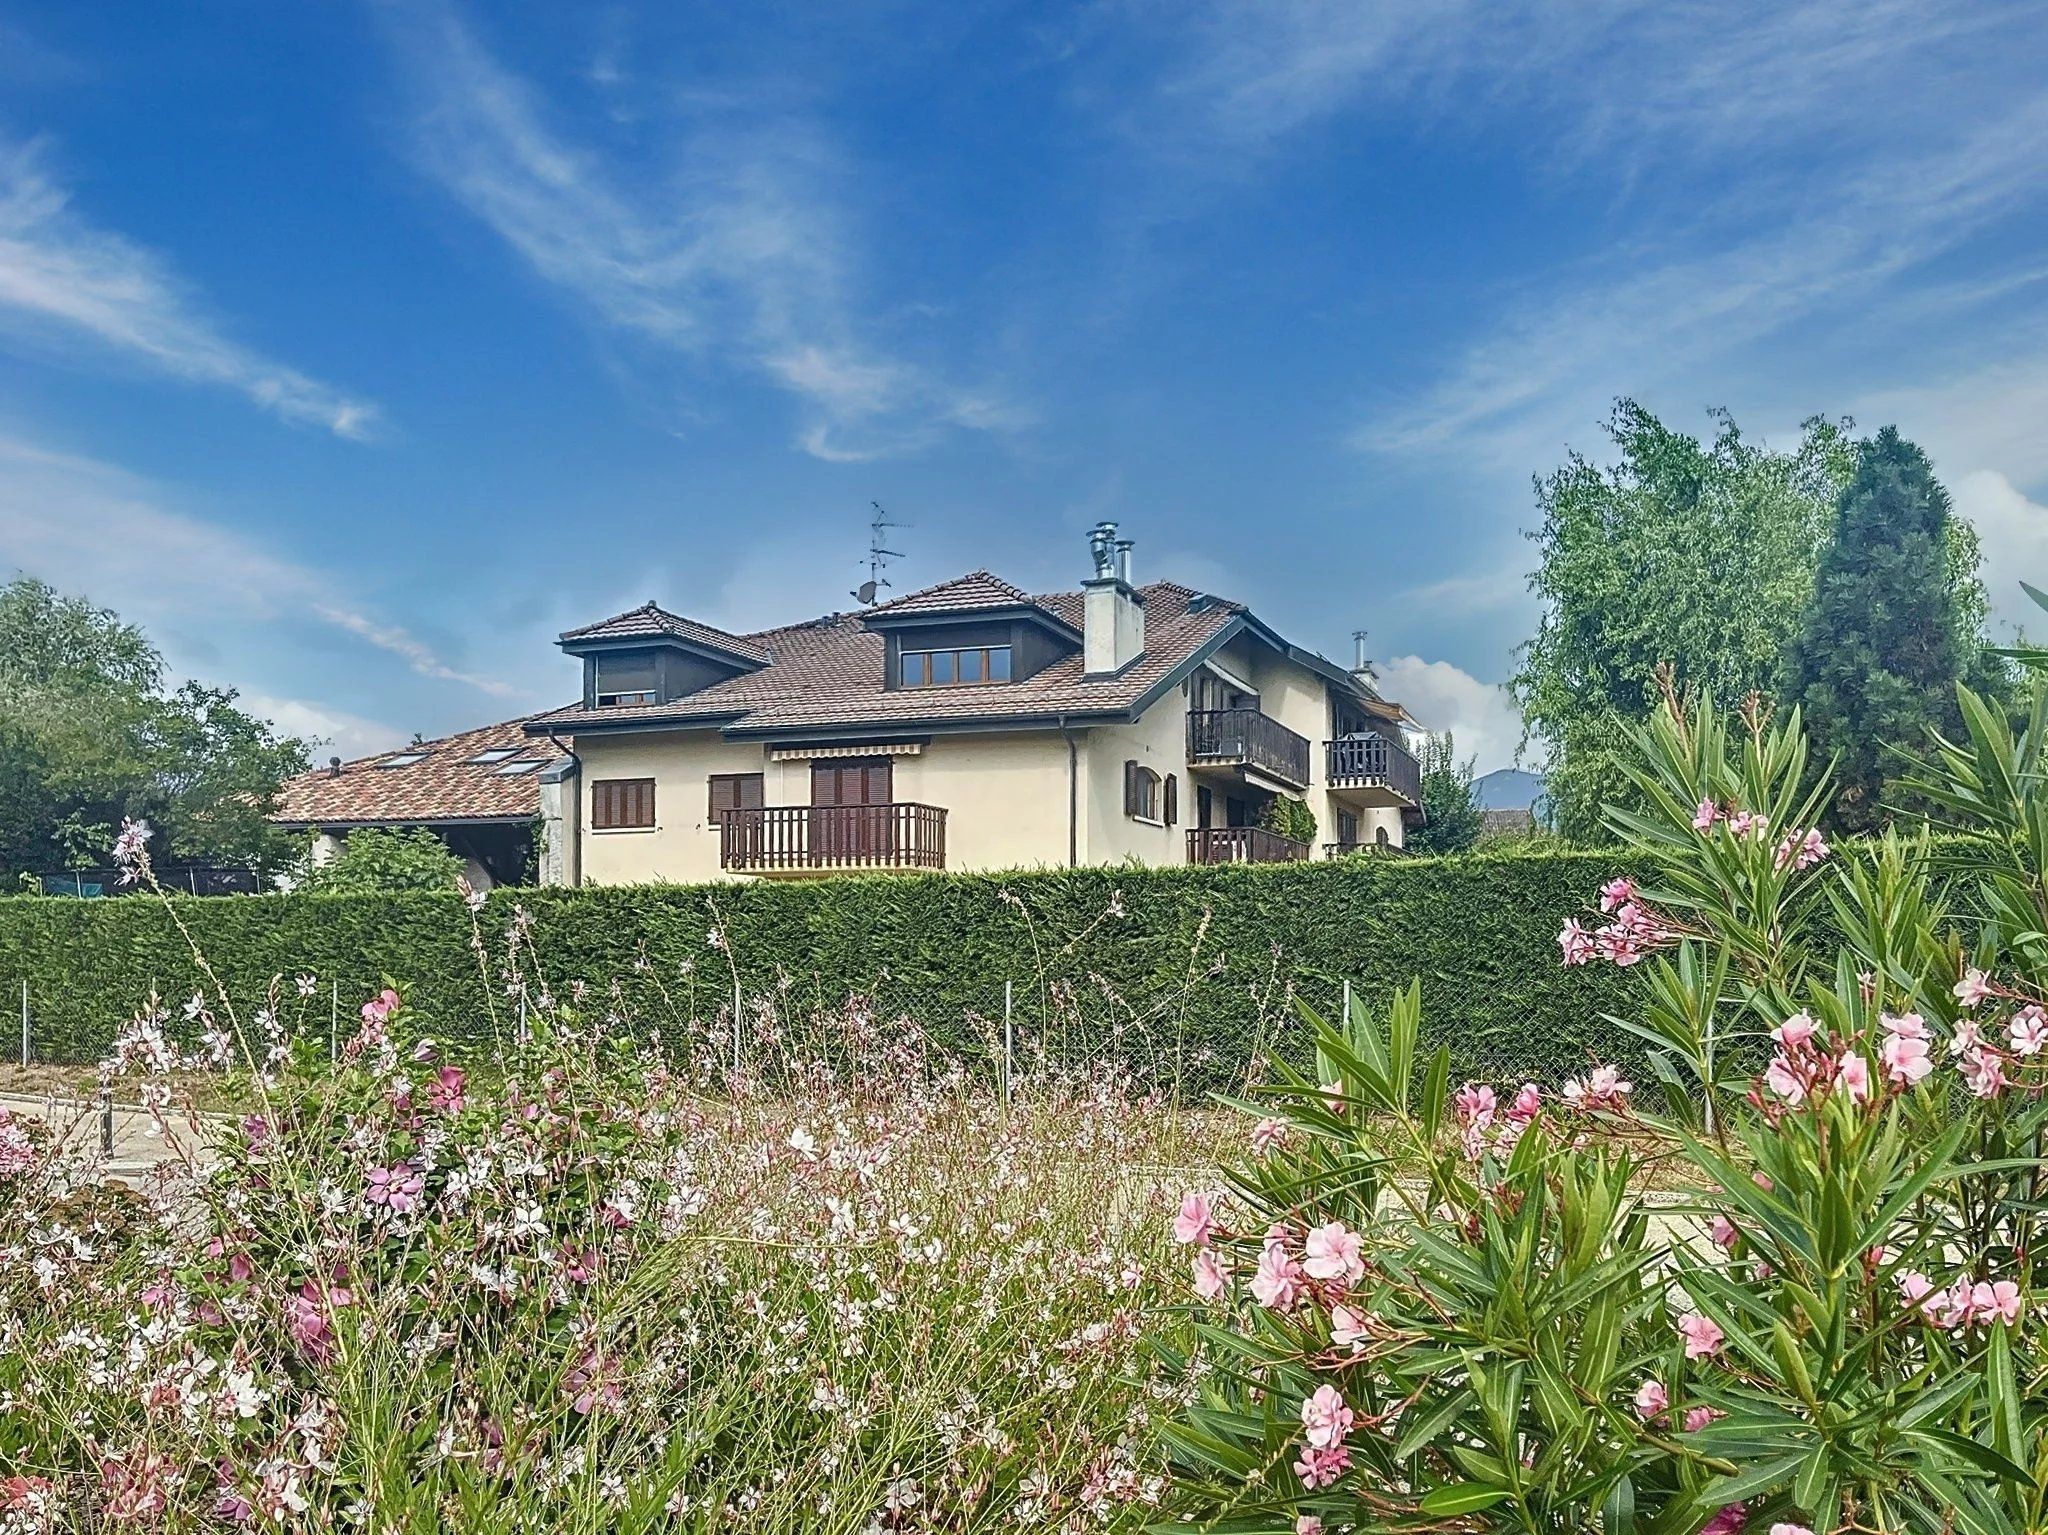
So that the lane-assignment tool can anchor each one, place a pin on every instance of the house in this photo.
(968, 726)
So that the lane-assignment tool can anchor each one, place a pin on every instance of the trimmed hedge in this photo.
(1196, 965)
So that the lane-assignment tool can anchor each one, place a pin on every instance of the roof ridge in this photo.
(983, 574)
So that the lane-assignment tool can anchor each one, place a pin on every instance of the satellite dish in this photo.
(866, 592)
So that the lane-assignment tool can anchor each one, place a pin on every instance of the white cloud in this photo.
(741, 254)
(1481, 715)
(63, 281)
(2013, 530)
(90, 527)
(1480, 591)
(341, 734)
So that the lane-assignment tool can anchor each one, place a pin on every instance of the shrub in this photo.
(1805, 1297)
(375, 859)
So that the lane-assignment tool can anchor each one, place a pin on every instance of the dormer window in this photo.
(629, 677)
(966, 666)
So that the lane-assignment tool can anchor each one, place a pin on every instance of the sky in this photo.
(357, 349)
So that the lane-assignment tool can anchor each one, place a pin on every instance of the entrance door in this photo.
(851, 796)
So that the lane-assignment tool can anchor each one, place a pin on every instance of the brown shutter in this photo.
(1170, 811)
(753, 791)
(618, 803)
(824, 784)
(1130, 786)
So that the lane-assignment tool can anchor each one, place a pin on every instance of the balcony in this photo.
(1243, 844)
(1247, 738)
(816, 839)
(1386, 774)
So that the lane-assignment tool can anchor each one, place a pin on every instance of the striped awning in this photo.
(810, 753)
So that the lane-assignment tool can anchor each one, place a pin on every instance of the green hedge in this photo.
(1193, 967)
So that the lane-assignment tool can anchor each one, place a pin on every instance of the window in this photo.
(1347, 829)
(495, 754)
(736, 791)
(403, 759)
(628, 678)
(974, 665)
(622, 804)
(524, 765)
(1141, 791)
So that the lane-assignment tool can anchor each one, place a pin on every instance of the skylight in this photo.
(495, 754)
(512, 769)
(403, 759)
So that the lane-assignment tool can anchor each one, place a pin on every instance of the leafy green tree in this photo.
(1452, 817)
(374, 859)
(89, 735)
(1888, 631)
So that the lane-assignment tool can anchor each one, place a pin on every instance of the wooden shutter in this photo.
(824, 784)
(618, 804)
(737, 791)
(1170, 804)
(1131, 791)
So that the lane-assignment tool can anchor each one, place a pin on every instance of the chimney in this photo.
(1361, 665)
(334, 767)
(1113, 620)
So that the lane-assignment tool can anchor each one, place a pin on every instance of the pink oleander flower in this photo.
(1279, 1281)
(1795, 1031)
(1347, 1327)
(1790, 1529)
(378, 1010)
(1724, 1233)
(2000, 1300)
(1973, 989)
(2029, 1031)
(1728, 1520)
(1333, 1252)
(1742, 824)
(1984, 1071)
(1267, 1134)
(1916, 1289)
(1703, 1337)
(1602, 1088)
(1967, 1038)
(1905, 1059)
(1475, 1103)
(1798, 851)
(1787, 1083)
(1704, 817)
(1319, 1468)
(1325, 1419)
(1617, 892)
(1903, 1025)
(1212, 1279)
(1576, 943)
(1652, 1399)
(1852, 1075)
(1196, 1221)
(1527, 1105)
(1310, 1524)
(1697, 1418)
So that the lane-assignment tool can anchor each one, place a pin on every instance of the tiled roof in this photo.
(446, 784)
(976, 589)
(827, 674)
(651, 621)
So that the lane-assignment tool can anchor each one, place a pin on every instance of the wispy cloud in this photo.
(64, 281)
(347, 735)
(90, 527)
(740, 254)
(1481, 715)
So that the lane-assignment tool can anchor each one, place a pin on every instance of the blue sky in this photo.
(358, 348)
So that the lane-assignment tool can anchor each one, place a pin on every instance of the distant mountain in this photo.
(1507, 789)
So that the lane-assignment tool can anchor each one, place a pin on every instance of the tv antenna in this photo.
(879, 555)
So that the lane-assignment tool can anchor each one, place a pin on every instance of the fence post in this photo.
(333, 1021)
(106, 1121)
(1009, 1041)
(1344, 1018)
(24, 1021)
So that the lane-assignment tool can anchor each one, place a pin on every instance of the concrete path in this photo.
(133, 1145)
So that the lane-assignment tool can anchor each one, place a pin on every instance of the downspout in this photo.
(1073, 796)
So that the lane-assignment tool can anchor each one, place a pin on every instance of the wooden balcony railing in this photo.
(1246, 736)
(798, 837)
(1242, 844)
(1373, 760)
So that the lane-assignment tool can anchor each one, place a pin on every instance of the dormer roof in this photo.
(652, 622)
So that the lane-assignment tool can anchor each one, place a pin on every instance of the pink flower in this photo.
(1724, 1233)
(1703, 1338)
(1743, 824)
(1781, 1079)
(398, 1186)
(445, 1092)
(1905, 1059)
(2029, 1030)
(1278, 1284)
(1790, 1529)
(1333, 1252)
(1652, 1400)
(1802, 852)
(1973, 988)
(1319, 1468)
(2001, 1300)
(1602, 1088)
(1527, 1105)
(1576, 942)
(1347, 1327)
(1325, 1419)
(1984, 1071)
(1852, 1074)
(1211, 1278)
(1697, 1418)
(378, 1010)
(1706, 815)
(1916, 1288)
(1267, 1134)
(1728, 1520)
(1904, 1025)
(1617, 892)
(1310, 1524)
(1475, 1103)
(1196, 1220)
(1795, 1031)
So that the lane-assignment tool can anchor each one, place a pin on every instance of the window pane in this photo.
(999, 664)
(970, 665)
(942, 667)
(913, 669)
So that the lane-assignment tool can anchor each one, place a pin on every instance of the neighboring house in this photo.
(967, 726)
(480, 791)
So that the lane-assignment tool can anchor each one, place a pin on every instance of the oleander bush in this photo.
(1803, 1297)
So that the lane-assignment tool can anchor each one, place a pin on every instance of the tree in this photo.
(1452, 817)
(1888, 631)
(375, 859)
(88, 736)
